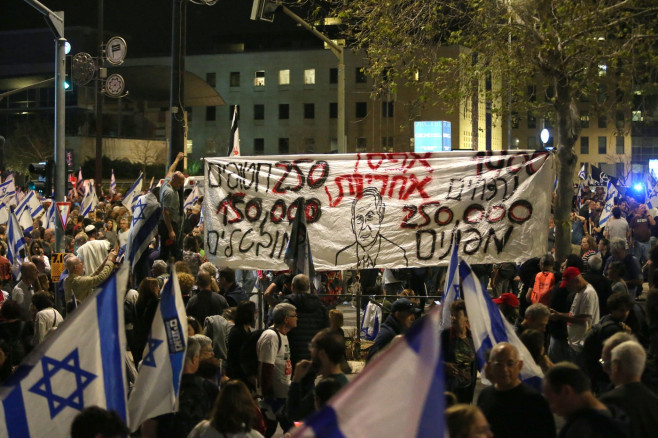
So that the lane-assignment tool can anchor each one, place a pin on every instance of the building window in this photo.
(584, 145)
(584, 119)
(532, 121)
(361, 75)
(284, 77)
(259, 78)
(619, 146)
(361, 109)
(211, 113)
(333, 110)
(259, 112)
(361, 144)
(603, 122)
(234, 79)
(309, 145)
(387, 109)
(284, 145)
(309, 76)
(333, 75)
(603, 147)
(211, 79)
(309, 110)
(284, 111)
(387, 144)
(532, 142)
(259, 146)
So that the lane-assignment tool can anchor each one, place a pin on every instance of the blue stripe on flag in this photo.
(430, 424)
(413, 335)
(143, 233)
(325, 423)
(111, 352)
(16, 419)
(169, 313)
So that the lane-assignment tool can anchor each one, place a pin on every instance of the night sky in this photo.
(146, 24)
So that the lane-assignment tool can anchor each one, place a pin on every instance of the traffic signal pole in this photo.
(55, 21)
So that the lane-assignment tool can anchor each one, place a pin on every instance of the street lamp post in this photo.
(262, 7)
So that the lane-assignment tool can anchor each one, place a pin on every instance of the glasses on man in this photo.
(504, 364)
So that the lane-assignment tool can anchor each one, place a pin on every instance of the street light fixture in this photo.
(264, 10)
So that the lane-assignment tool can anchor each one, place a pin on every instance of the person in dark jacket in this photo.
(206, 302)
(145, 308)
(245, 321)
(403, 314)
(312, 316)
(233, 293)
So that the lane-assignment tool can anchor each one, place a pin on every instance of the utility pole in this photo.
(177, 119)
(55, 21)
(98, 109)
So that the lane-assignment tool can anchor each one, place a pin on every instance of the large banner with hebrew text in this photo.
(379, 210)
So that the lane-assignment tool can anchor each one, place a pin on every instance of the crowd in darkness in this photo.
(590, 322)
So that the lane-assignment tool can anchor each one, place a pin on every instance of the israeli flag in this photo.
(4, 213)
(582, 174)
(489, 326)
(28, 209)
(113, 184)
(8, 191)
(144, 227)
(81, 364)
(90, 201)
(192, 198)
(16, 248)
(49, 220)
(156, 387)
(610, 195)
(451, 289)
(79, 185)
(366, 406)
(652, 195)
(132, 193)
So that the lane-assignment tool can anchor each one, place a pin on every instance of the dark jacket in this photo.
(235, 295)
(141, 327)
(312, 316)
(640, 406)
(205, 303)
(388, 330)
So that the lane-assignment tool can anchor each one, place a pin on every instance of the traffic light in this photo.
(44, 182)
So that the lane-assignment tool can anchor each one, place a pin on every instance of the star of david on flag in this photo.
(158, 380)
(79, 365)
(149, 358)
(138, 211)
(143, 228)
(610, 195)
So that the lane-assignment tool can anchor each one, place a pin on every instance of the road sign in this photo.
(63, 208)
(115, 50)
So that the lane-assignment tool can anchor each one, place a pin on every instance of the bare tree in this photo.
(30, 141)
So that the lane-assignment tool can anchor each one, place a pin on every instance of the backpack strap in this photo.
(278, 335)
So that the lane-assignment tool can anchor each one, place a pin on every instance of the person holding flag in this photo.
(170, 225)
(143, 228)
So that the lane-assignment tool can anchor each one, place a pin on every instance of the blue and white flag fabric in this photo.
(143, 228)
(113, 184)
(90, 201)
(28, 209)
(298, 255)
(4, 213)
(191, 198)
(651, 195)
(582, 174)
(451, 289)
(365, 407)
(80, 183)
(16, 248)
(611, 194)
(81, 364)
(489, 326)
(158, 380)
(8, 191)
(49, 220)
(579, 196)
(133, 192)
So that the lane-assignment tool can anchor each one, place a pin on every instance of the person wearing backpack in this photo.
(619, 306)
(275, 367)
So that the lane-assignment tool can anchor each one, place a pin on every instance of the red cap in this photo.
(569, 274)
(507, 298)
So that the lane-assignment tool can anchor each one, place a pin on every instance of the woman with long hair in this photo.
(145, 308)
(235, 415)
(245, 320)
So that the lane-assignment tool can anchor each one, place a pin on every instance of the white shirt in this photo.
(270, 353)
(585, 303)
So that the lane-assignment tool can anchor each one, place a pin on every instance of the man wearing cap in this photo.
(403, 314)
(583, 314)
(508, 304)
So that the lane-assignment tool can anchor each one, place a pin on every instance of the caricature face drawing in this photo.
(367, 216)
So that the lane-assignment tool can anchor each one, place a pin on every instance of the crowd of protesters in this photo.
(587, 321)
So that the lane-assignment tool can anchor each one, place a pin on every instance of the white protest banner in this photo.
(379, 209)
